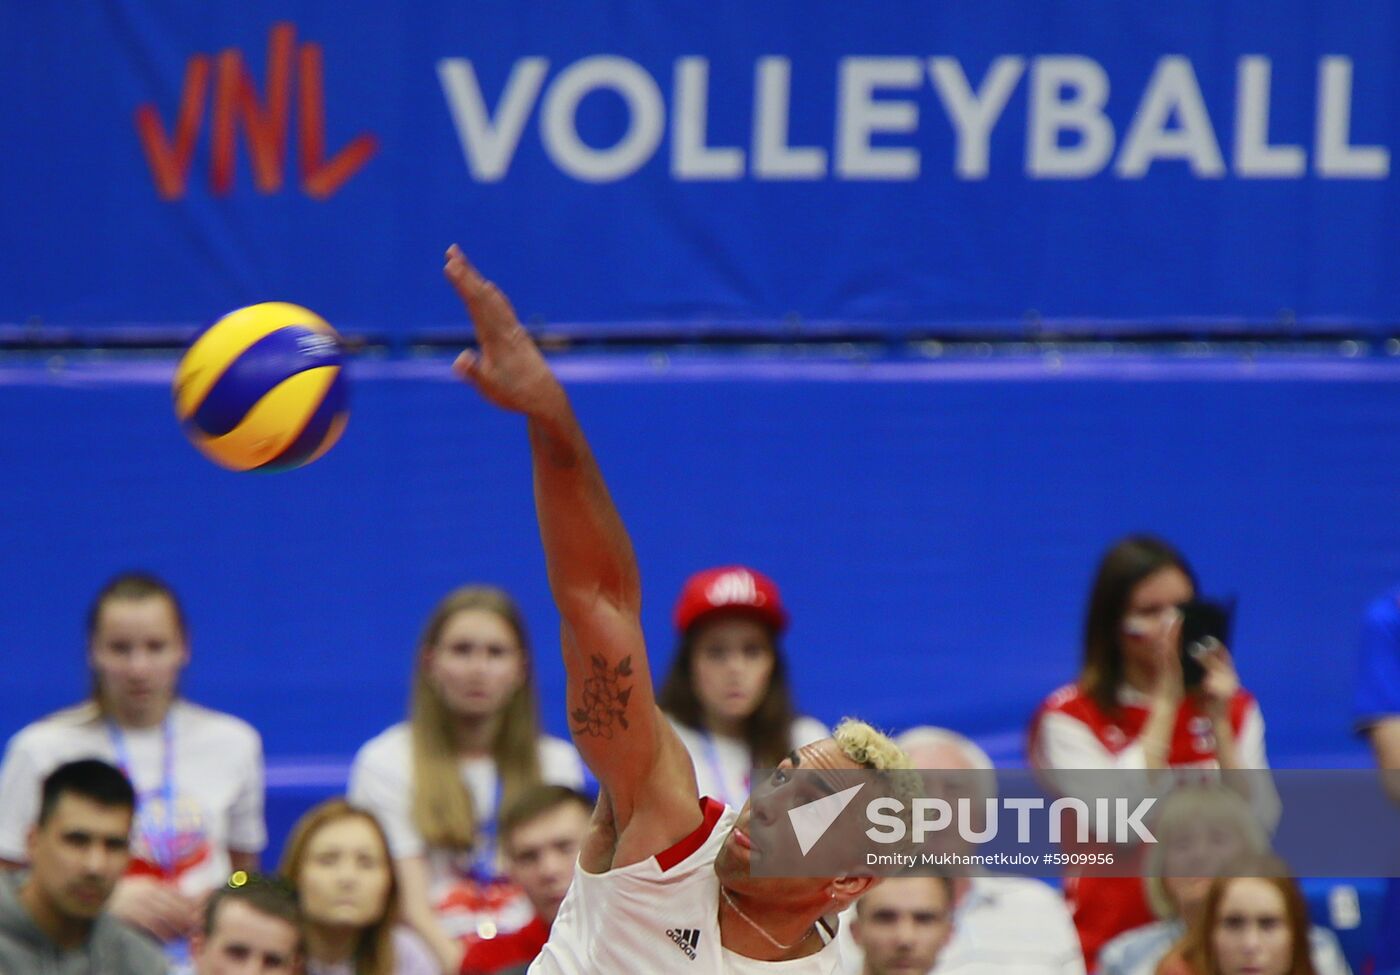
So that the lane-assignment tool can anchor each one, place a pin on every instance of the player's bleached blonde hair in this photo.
(875, 750)
(865, 746)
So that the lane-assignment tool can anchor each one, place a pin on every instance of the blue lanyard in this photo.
(717, 767)
(161, 840)
(484, 855)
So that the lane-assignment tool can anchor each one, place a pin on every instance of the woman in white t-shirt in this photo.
(337, 858)
(727, 693)
(436, 781)
(198, 774)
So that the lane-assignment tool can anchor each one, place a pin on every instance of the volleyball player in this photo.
(663, 882)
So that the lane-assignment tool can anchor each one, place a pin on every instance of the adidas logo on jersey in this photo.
(686, 939)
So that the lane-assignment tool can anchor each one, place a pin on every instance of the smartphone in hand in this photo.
(1204, 623)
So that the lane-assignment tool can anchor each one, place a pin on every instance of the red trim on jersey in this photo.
(712, 811)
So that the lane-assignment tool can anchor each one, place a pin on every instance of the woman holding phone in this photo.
(1131, 710)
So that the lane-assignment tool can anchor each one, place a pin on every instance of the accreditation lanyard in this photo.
(720, 776)
(160, 836)
(483, 866)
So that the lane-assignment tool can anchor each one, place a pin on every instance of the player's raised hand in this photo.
(508, 370)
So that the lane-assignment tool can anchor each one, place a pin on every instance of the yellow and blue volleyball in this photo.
(264, 388)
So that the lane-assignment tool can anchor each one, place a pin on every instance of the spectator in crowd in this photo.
(337, 858)
(252, 926)
(1001, 925)
(541, 833)
(727, 691)
(52, 917)
(1200, 831)
(902, 924)
(1378, 719)
(198, 773)
(1254, 922)
(1131, 711)
(471, 745)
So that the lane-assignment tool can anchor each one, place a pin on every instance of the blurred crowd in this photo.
(132, 824)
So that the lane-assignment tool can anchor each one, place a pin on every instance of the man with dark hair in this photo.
(51, 916)
(903, 924)
(540, 836)
(251, 927)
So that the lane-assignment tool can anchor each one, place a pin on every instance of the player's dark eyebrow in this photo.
(826, 783)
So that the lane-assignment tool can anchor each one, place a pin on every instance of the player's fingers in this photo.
(491, 312)
(471, 369)
(463, 276)
(475, 372)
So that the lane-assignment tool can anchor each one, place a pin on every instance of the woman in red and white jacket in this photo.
(1130, 710)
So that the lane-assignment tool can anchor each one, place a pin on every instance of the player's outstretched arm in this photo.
(592, 572)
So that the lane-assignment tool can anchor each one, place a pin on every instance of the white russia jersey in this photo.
(660, 915)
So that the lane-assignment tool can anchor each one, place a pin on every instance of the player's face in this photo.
(1251, 933)
(476, 664)
(902, 924)
(345, 878)
(731, 664)
(541, 855)
(78, 856)
(246, 941)
(734, 862)
(1148, 616)
(137, 653)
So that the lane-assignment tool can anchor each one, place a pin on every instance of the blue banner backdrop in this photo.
(934, 527)
(791, 167)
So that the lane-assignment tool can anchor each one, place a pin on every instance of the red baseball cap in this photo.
(730, 587)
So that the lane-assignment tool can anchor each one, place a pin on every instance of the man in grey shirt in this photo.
(51, 916)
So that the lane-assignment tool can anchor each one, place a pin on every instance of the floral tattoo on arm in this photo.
(604, 699)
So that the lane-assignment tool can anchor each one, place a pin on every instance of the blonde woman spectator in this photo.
(471, 744)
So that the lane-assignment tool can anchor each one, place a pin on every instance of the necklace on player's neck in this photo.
(757, 927)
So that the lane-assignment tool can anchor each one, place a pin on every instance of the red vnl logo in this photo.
(264, 123)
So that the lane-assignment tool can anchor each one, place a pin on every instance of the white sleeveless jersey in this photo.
(660, 915)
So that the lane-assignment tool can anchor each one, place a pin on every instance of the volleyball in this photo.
(263, 388)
